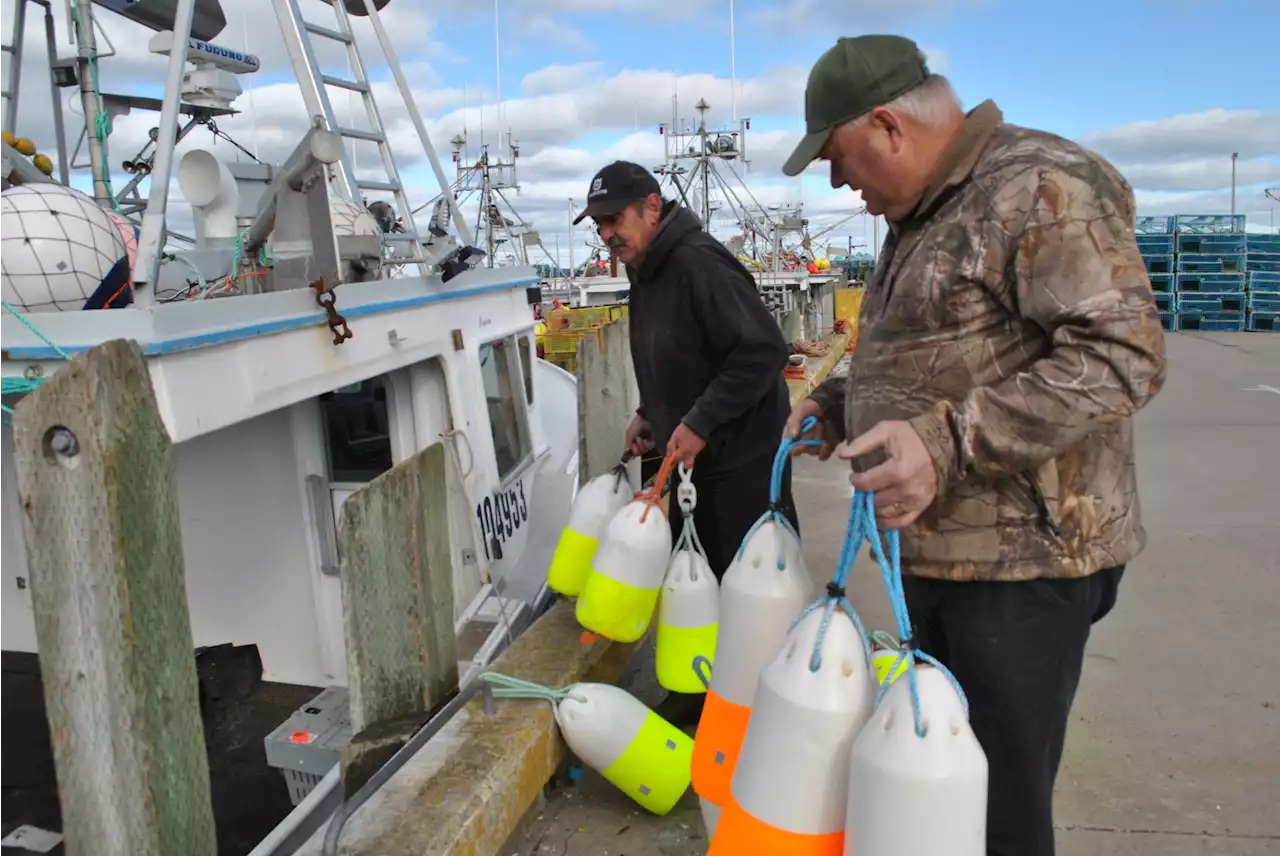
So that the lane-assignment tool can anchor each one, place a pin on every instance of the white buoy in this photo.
(595, 505)
(688, 622)
(622, 586)
(641, 753)
(789, 791)
(912, 795)
(689, 609)
(758, 601)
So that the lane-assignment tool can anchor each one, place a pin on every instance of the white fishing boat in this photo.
(297, 350)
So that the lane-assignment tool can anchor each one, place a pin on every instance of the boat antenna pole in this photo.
(87, 72)
(733, 66)
(146, 270)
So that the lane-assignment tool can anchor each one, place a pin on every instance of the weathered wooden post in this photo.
(607, 397)
(397, 596)
(100, 515)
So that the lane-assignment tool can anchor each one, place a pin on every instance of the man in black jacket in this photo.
(708, 356)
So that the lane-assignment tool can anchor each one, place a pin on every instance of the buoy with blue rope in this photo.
(790, 788)
(765, 586)
(917, 774)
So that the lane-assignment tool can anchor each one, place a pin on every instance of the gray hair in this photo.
(931, 103)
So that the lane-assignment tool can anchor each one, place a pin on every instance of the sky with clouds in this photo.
(1166, 89)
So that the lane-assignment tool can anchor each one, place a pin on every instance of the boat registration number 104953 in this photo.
(501, 515)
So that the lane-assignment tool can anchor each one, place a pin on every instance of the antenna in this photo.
(733, 67)
(497, 66)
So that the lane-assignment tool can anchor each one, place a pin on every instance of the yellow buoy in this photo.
(689, 607)
(24, 146)
(43, 163)
(595, 505)
(613, 732)
(8, 138)
(622, 586)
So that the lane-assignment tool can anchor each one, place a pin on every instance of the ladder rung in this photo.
(356, 134)
(9, 49)
(370, 184)
(353, 85)
(327, 33)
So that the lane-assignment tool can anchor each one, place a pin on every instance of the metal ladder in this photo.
(297, 33)
(15, 64)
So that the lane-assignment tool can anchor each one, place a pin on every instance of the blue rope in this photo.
(891, 570)
(835, 598)
(774, 514)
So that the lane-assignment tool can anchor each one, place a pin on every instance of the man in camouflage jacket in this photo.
(1007, 338)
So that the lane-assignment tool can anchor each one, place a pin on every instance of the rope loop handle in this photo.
(836, 596)
(505, 686)
(864, 508)
(652, 497)
(774, 513)
(620, 470)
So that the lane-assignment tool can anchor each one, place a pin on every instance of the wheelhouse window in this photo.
(357, 431)
(501, 366)
(526, 366)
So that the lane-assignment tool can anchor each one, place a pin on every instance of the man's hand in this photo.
(685, 445)
(806, 408)
(906, 483)
(638, 441)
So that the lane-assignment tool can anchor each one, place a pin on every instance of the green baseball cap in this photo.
(856, 76)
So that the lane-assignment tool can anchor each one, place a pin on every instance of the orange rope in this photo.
(652, 498)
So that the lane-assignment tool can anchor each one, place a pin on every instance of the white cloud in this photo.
(1189, 136)
(1182, 164)
(556, 78)
(570, 119)
(851, 17)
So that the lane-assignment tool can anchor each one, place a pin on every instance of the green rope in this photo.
(22, 385)
(34, 329)
(506, 686)
(885, 640)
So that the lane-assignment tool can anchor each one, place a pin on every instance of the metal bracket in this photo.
(686, 493)
(337, 324)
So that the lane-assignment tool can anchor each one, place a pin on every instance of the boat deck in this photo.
(1174, 747)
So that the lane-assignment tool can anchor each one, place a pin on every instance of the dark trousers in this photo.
(1017, 649)
(729, 502)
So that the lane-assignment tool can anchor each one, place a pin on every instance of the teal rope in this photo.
(22, 385)
(34, 329)
(506, 686)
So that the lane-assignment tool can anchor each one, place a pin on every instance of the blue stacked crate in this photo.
(1262, 282)
(1210, 263)
(1155, 240)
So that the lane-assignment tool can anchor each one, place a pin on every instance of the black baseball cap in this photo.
(615, 187)
(851, 79)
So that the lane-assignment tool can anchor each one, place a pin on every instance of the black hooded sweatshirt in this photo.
(706, 350)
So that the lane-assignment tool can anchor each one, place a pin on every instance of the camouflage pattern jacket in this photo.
(1011, 321)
